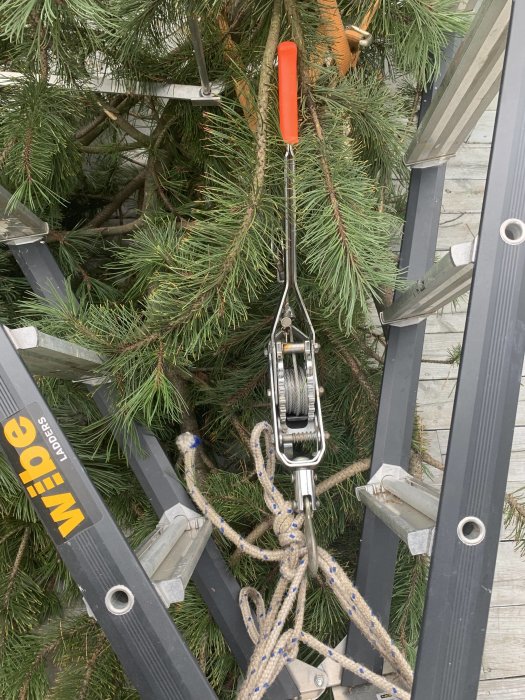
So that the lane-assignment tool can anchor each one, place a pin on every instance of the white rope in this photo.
(274, 645)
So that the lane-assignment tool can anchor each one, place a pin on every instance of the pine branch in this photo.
(338, 478)
(39, 658)
(90, 668)
(117, 200)
(123, 124)
(352, 361)
(515, 519)
(16, 565)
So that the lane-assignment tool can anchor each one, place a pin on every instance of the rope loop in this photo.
(275, 646)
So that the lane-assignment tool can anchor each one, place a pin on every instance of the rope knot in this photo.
(287, 527)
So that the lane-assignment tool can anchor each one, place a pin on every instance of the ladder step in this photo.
(406, 505)
(112, 85)
(19, 224)
(446, 280)
(170, 554)
(48, 356)
(470, 84)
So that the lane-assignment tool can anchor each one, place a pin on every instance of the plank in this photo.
(446, 322)
(438, 441)
(463, 195)
(509, 577)
(470, 163)
(482, 132)
(437, 345)
(504, 655)
(435, 401)
(457, 227)
(502, 689)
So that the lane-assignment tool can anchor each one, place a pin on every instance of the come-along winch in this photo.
(294, 389)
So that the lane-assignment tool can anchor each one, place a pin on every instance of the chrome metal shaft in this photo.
(290, 226)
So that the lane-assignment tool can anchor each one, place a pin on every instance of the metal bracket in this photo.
(48, 356)
(108, 84)
(446, 280)
(470, 84)
(170, 554)
(313, 681)
(18, 224)
(406, 505)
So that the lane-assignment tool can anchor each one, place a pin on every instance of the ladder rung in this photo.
(19, 224)
(446, 280)
(108, 84)
(406, 505)
(170, 554)
(470, 84)
(48, 356)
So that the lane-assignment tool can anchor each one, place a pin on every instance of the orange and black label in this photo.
(46, 468)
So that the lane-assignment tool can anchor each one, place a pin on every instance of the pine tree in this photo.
(167, 220)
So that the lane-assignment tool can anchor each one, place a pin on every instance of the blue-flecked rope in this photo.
(275, 646)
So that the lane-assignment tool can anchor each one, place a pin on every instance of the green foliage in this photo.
(411, 31)
(44, 32)
(175, 285)
(514, 518)
(408, 601)
(39, 161)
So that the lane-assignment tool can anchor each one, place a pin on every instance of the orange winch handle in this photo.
(287, 73)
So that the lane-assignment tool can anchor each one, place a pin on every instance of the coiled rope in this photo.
(274, 645)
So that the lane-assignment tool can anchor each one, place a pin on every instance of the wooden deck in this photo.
(503, 673)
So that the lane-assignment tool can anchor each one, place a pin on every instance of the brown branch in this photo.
(263, 98)
(121, 196)
(117, 230)
(123, 123)
(110, 147)
(242, 432)
(242, 86)
(428, 459)
(333, 29)
(48, 649)
(352, 362)
(515, 505)
(90, 667)
(91, 131)
(16, 565)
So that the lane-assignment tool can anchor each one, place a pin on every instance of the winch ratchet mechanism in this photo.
(294, 389)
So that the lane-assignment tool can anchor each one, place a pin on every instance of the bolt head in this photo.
(269, 393)
(319, 680)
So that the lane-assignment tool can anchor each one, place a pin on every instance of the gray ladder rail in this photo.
(154, 471)
(397, 401)
(397, 404)
(469, 519)
(134, 619)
